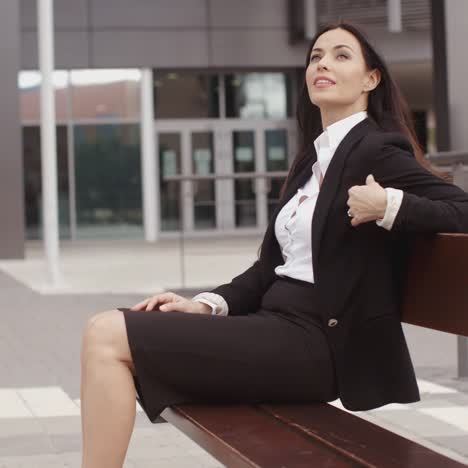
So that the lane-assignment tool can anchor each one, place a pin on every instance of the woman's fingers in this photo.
(141, 305)
(151, 303)
(162, 299)
(183, 305)
(169, 306)
(155, 300)
(147, 304)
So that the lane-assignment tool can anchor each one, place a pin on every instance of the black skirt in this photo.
(277, 354)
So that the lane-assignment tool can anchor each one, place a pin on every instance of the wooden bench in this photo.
(321, 435)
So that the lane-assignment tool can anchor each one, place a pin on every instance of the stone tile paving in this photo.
(39, 389)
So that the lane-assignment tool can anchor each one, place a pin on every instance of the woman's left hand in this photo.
(367, 202)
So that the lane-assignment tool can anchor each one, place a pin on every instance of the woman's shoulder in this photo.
(377, 138)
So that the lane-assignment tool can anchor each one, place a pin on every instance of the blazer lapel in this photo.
(299, 180)
(331, 183)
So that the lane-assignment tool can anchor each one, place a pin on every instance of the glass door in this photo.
(187, 148)
(203, 198)
(256, 148)
(227, 148)
(170, 190)
(276, 155)
(243, 152)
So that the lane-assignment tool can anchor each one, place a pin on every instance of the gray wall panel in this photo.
(255, 48)
(456, 14)
(248, 14)
(11, 158)
(150, 48)
(187, 33)
(68, 14)
(404, 47)
(132, 14)
(71, 50)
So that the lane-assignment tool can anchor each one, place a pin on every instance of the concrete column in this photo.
(439, 82)
(149, 158)
(394, 15)
(48, 141)
(310, 18)
(11, 158)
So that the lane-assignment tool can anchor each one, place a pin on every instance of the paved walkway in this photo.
(39, 356)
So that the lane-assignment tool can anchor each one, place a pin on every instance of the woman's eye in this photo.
(313, 57)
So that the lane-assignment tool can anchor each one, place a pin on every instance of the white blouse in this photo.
(293, 224)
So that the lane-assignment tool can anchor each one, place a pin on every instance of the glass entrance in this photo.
(221, 168)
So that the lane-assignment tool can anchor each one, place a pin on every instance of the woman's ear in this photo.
(373, 80)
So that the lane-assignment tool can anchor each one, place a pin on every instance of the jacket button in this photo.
(332, 323)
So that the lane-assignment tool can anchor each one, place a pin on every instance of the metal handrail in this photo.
(448, 157)
(239, 175)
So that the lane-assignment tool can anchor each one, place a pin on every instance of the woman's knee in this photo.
(105, 336)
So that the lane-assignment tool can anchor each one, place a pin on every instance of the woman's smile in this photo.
(323, 84)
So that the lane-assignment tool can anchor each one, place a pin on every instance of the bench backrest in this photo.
(436, 292)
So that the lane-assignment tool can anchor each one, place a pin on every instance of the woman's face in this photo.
(336, 57)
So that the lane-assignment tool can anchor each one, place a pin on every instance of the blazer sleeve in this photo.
(244, 293)
(429, 204)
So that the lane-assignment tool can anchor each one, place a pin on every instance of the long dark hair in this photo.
(386, 104)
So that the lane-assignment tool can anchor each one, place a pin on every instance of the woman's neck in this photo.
(330, 116)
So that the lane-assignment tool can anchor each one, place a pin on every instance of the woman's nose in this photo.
(322, 64)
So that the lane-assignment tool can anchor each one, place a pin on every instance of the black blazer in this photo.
(360, 271)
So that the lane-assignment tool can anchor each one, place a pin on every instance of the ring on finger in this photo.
(350, 214)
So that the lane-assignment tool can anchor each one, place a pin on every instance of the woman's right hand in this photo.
(169, 301)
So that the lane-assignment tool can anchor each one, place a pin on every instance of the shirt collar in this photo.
(332, 136)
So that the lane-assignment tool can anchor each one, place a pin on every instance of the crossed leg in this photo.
(107, 391)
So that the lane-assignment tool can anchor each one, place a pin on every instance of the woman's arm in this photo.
(244, 293)
(429, 203)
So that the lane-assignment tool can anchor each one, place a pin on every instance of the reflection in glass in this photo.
(258, 95)
(185, 95)
(29, 84)
(108, 181)
(276, 145)
(204, 203)
(274, 184)
(33, 182)
(170, 196)
(102, 93)
(244, 161)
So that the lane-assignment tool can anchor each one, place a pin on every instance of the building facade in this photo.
(224, 87)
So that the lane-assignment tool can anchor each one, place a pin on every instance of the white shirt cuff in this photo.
(394, 199)
(215, 301)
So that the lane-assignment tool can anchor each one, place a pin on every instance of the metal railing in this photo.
(239, 175)
(445, 158)
(456, 161)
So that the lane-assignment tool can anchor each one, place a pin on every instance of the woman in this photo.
(316, 317)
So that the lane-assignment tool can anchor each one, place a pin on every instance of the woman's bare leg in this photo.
(107, 391)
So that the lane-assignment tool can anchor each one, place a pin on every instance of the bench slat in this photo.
(241, 436)
(436, 293)
(358, 439)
